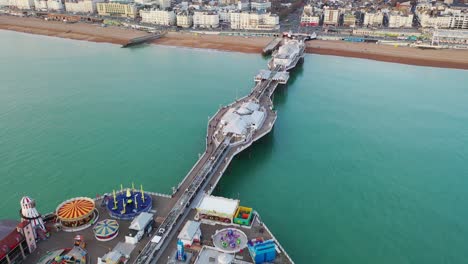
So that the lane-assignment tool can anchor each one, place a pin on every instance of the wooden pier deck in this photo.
(143, 39)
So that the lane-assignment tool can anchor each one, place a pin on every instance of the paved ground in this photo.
(97, 248)
(257, 231)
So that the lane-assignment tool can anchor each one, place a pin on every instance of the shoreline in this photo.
(455, 59)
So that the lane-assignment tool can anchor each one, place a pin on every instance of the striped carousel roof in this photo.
(106, 228)
(75, 209)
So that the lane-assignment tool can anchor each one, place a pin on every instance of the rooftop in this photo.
(189, 230)
(218, 204)
(212, 255)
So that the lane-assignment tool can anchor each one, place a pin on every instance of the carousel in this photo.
(76, 214)
(128, 203)
(230, 240)
(106, 230)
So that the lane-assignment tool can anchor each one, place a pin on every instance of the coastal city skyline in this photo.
(233, 131)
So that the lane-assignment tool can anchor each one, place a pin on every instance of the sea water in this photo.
(367, 163)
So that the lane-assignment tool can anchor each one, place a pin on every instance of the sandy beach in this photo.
(91, 32)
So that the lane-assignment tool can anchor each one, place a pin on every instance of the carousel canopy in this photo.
(75, 209)
(106, 228)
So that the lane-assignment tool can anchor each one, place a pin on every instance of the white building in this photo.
(227, 2)
(450, 37)
(117, 9)
(459, 21)
(260, 5)
(82, 6)
(331, 16)
(349, 20)
(243, 5)
(428, 21)
(163, 4)
(184, 19)
(224, 15)
(213, 208)
(142, 224)
(205, 19)
(309, 17)
(22, 4)
(190, 234)
(158, 17)
(373, 19)
(399, 21)
(241, 122)
(254, 21)
(40, 5)
(55, 5)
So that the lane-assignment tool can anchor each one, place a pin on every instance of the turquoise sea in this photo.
(367, 163)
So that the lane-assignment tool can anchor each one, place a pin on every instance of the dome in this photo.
(244, 111)
(27, 202)
(106, 229)
(75, 209)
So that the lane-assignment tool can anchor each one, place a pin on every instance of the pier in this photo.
(144, 39)
(222, 145)
(231, 130)
(274, 44)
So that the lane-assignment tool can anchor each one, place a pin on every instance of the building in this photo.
(224, 15)
(243, 5)
(163, 4)
(184, 19)
(309, 16)
(428, 21)
(118, 255)
(373, 19)
(190, 234)
(40, 5)
(394, 33)
(400, 21)
(82, 6)
(55, 5)
(142, 224)
(216, 208)
(117, 9)
(459, 21)
(457, 38)
(254, 21)
(29, 213)
(331, 16)
(349, 20)
(205, 19)
(213, 255)
(16, 241)
(158, 17)
(260, 5)
(22, 4)
(227, 2)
